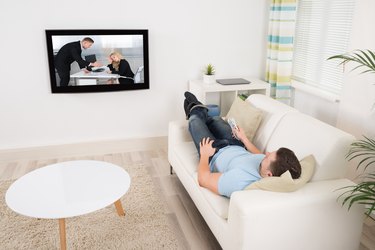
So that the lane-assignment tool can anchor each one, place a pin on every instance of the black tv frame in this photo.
(97, 88)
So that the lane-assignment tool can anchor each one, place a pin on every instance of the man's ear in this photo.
(269, 173)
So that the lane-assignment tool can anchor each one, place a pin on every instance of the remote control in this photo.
(232, 123)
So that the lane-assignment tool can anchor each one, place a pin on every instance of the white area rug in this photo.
(145, 225)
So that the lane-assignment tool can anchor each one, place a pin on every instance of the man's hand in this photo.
(205, 177)
(206, 148)
(239, 133)
(96, 64)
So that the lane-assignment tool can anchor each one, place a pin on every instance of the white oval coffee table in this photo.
(68, 189)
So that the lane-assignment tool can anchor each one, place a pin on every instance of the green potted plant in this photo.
(209, 74)
(364, 192)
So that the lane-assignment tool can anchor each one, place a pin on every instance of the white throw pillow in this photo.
(247, 116)
(285, 182)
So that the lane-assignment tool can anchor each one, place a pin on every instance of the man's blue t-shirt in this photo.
(238, 166)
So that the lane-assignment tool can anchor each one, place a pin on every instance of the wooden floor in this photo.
(191, 230)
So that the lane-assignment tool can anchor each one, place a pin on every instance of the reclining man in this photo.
(228, 164)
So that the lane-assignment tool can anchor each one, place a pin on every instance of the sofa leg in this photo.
(170, 169)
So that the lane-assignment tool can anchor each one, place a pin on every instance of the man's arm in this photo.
(248, 144)
(75, 52)
(205, 177)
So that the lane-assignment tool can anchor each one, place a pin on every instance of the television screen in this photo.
(97, 60)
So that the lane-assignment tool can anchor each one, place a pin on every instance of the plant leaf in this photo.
(362, 57)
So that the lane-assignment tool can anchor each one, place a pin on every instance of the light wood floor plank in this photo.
(188, 229)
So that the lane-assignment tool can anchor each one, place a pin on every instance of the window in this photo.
(322, 30)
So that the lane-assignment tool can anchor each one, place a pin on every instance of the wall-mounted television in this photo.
(97, 60)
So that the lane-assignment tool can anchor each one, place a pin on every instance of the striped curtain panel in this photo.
(280, 48)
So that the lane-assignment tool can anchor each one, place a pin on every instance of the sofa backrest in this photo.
(273, 111)
(284, 126)
(306, 135)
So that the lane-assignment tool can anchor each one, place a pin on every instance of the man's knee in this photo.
(217, 122)
(196, 117)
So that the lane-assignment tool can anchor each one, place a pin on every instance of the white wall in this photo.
(358, 97)
(183, 37)
(318, 107)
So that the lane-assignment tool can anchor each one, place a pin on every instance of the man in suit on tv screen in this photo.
(69, 53)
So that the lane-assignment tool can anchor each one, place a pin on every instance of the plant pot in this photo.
(209, 79)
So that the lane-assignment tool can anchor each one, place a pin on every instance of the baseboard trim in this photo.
(82, 149)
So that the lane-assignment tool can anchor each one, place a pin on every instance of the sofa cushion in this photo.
(218, 203)
(247, 116)
(285, 182)
(188, 155)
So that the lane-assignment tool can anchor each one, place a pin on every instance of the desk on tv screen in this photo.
(91, 78)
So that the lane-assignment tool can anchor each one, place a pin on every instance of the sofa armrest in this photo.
(178, 132)
(303, 218)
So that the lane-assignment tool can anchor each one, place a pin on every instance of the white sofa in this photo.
(309, 218)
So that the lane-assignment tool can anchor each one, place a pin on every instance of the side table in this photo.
(224, 95)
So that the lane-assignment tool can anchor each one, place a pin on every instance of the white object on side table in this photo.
(209, 79)
(206, 93)
(68, 189)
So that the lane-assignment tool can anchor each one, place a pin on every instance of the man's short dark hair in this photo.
(286, 160)
(87, 39)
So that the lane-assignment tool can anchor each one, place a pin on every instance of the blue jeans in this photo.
(201, 126)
